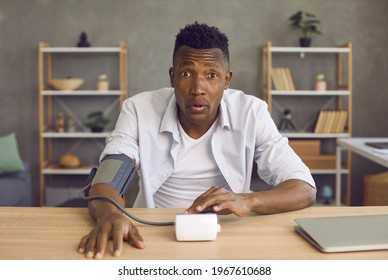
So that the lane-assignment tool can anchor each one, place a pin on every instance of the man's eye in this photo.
(185, 74)
(213, 75)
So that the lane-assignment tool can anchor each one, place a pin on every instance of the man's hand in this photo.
(110, 226)
(222, 201)
(290, 195)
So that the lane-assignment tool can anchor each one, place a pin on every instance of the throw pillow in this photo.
(10, 160)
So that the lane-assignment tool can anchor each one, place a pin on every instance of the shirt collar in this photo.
(169, 123)
(169, 120)
(224, 117)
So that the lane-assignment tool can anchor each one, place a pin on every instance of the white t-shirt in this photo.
(195, 172)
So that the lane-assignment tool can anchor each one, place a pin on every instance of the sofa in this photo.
(15, 188)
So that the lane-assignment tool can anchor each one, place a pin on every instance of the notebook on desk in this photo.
(345, 233)
(377, 145)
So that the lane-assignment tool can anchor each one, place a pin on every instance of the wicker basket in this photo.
(376, 189)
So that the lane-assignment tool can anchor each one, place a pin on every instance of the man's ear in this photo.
(171, 73)
(228, 78)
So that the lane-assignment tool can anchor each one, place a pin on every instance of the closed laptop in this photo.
(345, 233)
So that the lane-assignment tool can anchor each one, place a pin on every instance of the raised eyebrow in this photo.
(186, 63)
(207, 64)
(212, 65)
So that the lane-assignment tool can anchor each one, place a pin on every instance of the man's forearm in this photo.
(288, 196)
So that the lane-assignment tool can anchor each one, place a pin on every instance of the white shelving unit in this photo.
(343, 94)
(60, 171)
(311, 93)
(309, 49)
(47, 49)
(48, 137)
(81, 93)
(75, 134)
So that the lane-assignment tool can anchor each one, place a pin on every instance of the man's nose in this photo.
(198, 85)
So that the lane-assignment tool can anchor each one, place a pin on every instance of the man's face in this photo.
(199, 77)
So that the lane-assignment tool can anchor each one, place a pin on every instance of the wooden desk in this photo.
(357, 145)
(54, 233)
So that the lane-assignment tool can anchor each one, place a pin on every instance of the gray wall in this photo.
(148, 28)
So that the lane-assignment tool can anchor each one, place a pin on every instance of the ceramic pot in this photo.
(304, 42)
(97, 128)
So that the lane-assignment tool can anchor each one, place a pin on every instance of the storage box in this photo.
(306, 147)
(320, 161)
(376, 189)
(310, 153)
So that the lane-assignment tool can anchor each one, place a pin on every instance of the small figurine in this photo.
(60, 122)
(327, 194)
(102, 83)
(320, 83)
(83, 41)
(286, 123)
(70, 122)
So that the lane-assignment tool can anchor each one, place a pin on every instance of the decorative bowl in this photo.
(69, 161)
(67, 84)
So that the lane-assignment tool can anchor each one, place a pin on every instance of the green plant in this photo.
(306, 22)
(97, 120)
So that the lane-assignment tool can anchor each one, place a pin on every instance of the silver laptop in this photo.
(378, 145)
(345, 233)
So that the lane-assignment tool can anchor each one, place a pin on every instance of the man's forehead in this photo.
(186, 54)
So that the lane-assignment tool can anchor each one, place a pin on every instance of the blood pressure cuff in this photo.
(117, 171)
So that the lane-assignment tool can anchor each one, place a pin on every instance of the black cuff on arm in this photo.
(115, 170)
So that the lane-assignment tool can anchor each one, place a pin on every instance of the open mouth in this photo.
(197, 108)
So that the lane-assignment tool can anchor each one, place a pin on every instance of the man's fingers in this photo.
(205, 201)
(134, 238)
(212, 201)
(102, 242)
(90, 246)
(117, 236)
(221, 201)
(82, 244)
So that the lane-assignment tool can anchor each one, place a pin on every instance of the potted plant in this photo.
(307, 23)
(97, 121)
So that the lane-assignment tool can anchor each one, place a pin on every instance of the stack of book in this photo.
(282, 79)
(331, 121)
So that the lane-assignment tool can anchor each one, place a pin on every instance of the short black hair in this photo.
(202, 36)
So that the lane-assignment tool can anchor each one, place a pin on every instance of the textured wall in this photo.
(148, 28)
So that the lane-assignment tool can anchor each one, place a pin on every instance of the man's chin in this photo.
(199, 120)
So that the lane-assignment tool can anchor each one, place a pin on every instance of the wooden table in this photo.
(53, 233)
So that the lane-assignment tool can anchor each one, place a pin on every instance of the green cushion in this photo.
(10, 160)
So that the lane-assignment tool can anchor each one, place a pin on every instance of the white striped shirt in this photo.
(147, 131)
